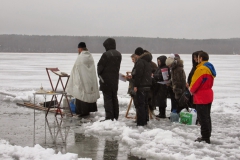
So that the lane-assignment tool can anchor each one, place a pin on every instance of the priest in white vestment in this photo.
(83, 83)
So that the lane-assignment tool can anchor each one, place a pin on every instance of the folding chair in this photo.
(60, 75)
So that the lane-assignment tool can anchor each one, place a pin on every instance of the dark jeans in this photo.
(111, 105)
(174, 105)
(142, 107)
(204, 118)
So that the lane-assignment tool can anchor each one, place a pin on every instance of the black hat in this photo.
(139, 51)
(82, 45)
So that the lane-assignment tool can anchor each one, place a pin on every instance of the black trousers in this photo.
(142, 107)
(204, 118)
(111, 105)
(162, 106)
(174, 104)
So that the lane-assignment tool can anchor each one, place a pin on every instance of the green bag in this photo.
(186, 118)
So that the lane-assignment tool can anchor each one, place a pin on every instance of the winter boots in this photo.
(200, 139)
(162, 112)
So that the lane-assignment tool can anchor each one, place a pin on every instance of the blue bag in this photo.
(73, 106)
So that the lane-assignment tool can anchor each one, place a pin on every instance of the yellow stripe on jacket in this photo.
(201, 85)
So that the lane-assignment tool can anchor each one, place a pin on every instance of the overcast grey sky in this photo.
(191, 19)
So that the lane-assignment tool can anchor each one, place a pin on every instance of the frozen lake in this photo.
(23, 73)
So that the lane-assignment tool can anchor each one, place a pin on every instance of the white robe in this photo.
(83, 83)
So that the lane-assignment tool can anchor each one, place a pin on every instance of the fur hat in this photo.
(169, 61)
(177, 56)
(82, 45)
(139, 51)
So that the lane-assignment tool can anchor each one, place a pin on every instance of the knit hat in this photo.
(139, 51)
(172, 55)
(82, 45)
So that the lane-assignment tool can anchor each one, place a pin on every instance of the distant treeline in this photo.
(68, 44)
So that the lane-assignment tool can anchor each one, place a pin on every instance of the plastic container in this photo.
(71, 104)
(174, 117)
(64, 102)
(188, 117)
(194, 117)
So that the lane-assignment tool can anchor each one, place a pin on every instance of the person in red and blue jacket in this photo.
(201, 89)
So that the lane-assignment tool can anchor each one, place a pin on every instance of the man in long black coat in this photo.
(108, 71)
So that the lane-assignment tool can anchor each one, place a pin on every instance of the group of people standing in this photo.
(150, 84)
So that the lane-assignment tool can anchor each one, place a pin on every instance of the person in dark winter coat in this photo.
(178, 79)
(151, 102)
(141, 74)
(171, 94)
(161, 90)
(108, 72)
(129, 77)
(189, 79)
(131, 81)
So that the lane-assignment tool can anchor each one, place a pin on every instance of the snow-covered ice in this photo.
(24, 73)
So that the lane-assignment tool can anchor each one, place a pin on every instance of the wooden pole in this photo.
(129, 106)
